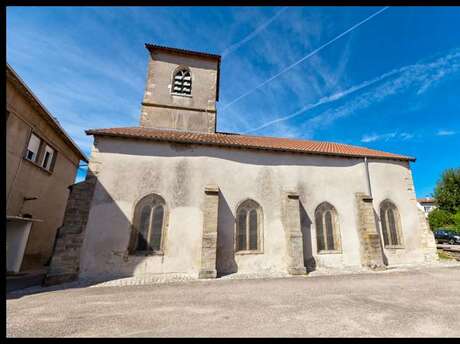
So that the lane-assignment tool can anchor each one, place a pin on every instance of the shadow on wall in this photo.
(306, 228)
(379, 232)
(244, 156)
(64, 267)
(110, 249)
(225, 259)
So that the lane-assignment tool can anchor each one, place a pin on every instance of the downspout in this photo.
(366, 166)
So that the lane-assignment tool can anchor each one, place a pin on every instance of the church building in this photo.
(175, 196)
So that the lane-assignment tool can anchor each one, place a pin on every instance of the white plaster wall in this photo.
(393, 181)
(129, 169)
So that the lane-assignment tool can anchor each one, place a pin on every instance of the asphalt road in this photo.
(423, 302)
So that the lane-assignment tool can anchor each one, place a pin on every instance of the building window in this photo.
(149, 225)
(327, 228)
(391, 224)
(248, 227)
(48, 158)
(32, 148)
(182, 82)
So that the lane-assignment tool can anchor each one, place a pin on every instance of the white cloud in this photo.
(386, 137)
(417, 76)
(445, 132)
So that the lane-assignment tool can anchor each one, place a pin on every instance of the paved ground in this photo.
(422, 302)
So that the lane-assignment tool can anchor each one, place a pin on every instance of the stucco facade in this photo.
(25, 178)
(180, 173)
(231, 203)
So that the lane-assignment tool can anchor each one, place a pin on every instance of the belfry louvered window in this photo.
(327, 228)
(182, 82)
(391, 224)
(248, 227)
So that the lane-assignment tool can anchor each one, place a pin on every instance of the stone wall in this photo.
(428, 241)
(294, 242)
(163, 109)
(209, 240)
(371, 247)
(65, 262)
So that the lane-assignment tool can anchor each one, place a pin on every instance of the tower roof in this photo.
(153, 47)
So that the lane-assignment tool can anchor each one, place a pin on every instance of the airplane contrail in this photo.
(306, 57)
(254, 33)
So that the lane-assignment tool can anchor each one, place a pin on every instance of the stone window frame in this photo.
(249, 205)
(177, 70)
(386, 205)
(326, 207)
(156, 200)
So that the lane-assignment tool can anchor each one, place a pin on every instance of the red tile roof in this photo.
(425, 200)
(247, 142)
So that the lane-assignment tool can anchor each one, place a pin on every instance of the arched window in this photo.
(182, 82)
(391, 224)
(148, 225)
(248, 227)
(327, 228)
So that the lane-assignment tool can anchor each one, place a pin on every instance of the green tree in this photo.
(447, 191)
(456, 219)
(440, 218)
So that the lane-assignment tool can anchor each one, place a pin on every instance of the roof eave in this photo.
(95, 132)
(47, 115)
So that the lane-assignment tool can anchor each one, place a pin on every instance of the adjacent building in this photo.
(174, 196)
(427, 204)
(41, 164)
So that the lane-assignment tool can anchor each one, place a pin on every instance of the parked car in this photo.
(443, 236)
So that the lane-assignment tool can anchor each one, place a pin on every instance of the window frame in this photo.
(40, 153)
(175, 72)
(388, 204)
(51, 161)
(249, 205)
(37, 154)
(154, 200)
(324, 208)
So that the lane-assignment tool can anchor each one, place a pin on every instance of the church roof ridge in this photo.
(247, 142)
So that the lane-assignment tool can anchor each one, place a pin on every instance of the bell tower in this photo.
(181, 90)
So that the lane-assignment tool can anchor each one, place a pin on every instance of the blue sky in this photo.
(384, 78)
